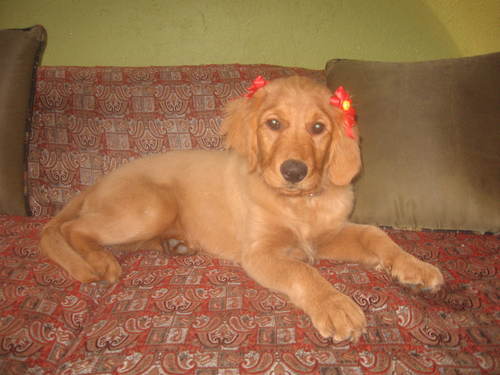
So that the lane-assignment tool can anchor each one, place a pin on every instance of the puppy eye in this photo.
(317, 128)
(273, 124)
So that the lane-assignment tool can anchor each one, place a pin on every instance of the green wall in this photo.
(474, 25)
(287, 32)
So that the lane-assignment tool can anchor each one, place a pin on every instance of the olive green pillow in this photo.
(430, 140)
(20, 52)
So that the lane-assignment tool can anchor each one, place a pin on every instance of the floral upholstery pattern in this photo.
(199, 315)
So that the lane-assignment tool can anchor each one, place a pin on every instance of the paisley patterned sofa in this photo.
(197, 314)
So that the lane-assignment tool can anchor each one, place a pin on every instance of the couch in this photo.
(197, 314)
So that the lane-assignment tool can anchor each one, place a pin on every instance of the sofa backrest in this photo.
(89, 121)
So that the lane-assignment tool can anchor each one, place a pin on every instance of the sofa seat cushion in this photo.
(202, 315)
(89, 121)
(430, 136)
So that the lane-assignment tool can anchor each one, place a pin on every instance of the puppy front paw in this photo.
(337, 316)
(410, 270)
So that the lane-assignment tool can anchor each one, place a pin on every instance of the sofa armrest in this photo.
(20, 54)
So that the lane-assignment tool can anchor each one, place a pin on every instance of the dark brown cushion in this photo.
(430, 138)
(20, 52)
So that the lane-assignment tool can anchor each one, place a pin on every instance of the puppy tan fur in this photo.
(279, 198)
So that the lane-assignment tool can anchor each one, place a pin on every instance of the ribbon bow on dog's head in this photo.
(257, 83)
(341, 99)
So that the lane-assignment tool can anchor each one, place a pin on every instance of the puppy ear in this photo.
(240, 129)
(345, 158)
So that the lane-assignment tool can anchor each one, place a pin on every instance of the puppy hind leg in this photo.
(136, 223)
(56, 248)
(78, 234)
(173, 246)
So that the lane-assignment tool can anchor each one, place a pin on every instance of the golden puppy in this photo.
(279, 198)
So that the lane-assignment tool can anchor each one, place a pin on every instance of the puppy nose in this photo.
(293, 170)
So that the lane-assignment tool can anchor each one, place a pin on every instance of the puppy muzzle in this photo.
(293, 170)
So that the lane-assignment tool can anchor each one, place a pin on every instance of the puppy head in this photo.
(292, 136)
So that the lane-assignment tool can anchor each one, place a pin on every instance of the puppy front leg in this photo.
(331, 312)
(372, 247)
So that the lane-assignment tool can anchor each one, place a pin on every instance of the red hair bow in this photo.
(257, 83)
(341, 99)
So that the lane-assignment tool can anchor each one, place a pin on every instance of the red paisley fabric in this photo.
(197, 315)
(202, 315)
